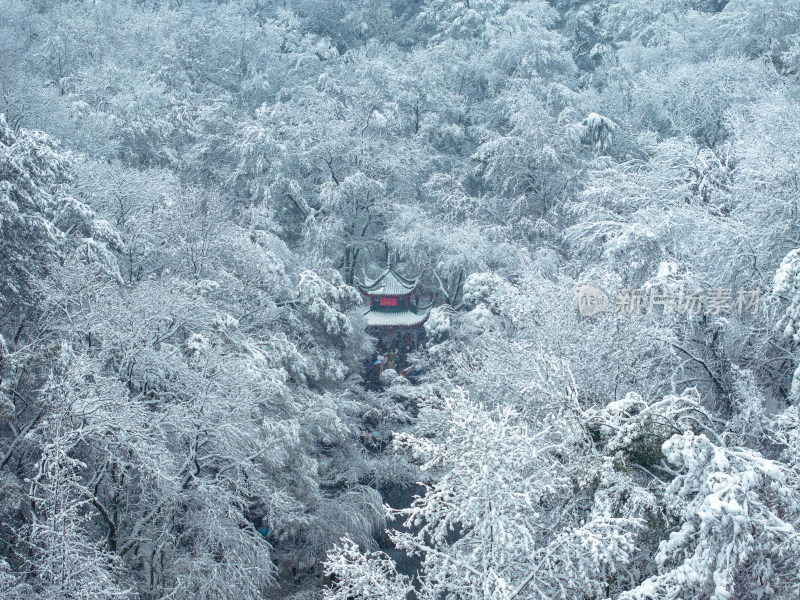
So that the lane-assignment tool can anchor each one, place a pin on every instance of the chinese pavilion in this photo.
(393, 316)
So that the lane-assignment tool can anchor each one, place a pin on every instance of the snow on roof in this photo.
(388, 283)
(405, 318)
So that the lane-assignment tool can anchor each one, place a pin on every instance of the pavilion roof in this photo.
(388, 283)
(404, 318)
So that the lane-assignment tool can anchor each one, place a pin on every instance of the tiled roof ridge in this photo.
(411, 317)
(394, 284)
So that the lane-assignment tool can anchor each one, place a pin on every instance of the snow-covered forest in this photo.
(602, 199)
